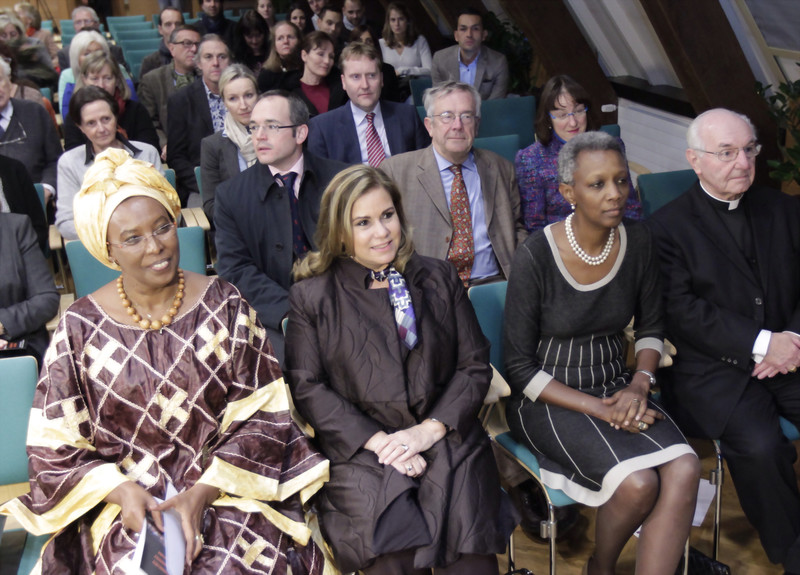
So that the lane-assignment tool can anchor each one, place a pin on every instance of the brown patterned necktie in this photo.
(462, 247)
(375, 152)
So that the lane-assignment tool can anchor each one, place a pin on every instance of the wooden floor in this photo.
(739, 544)
(740, 547)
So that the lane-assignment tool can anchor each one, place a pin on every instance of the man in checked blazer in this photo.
(425, 180)
(341, 133)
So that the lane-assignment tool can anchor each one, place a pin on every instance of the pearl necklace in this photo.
(166, 319)
(573, 243)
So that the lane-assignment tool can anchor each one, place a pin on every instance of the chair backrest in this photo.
(124, 35)
(612, 129)
(40, 192)
(418, 87)
(509, 116)
(169, 173)
(90, 275)
(489, 302)
(421, 112)
(199, 177)
(151, 44)
(120, 19)
(506, 146)
(659, 189)
(18, 376)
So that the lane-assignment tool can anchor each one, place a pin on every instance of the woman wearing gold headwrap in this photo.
(163, 378)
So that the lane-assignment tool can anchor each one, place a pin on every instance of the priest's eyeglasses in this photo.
(730, 154)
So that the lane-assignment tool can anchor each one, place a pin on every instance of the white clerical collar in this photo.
(732, 204)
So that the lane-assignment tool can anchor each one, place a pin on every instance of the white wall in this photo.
(653, 138)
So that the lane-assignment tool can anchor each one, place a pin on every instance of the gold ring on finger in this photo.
(793, 369)
(642, 426)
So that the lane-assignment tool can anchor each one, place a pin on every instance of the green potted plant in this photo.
(509, 40)
(784, 106)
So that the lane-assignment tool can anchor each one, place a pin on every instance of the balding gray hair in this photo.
(586, 142)
(88, 9)
(693, 139)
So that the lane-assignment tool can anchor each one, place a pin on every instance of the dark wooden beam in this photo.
(711, 65)
(560, 47)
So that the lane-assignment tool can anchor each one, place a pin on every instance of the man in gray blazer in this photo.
(470, 61)
(429, 179)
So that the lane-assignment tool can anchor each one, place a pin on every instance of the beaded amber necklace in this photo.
(166, 319)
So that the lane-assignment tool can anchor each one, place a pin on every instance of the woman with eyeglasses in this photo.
(574, 286)
(226, 153)
(133, 121)
(95, 113)
(387, 362)
(160, 393)
(564, 112)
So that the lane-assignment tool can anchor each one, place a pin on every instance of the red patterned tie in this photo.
(375, 152)
(462, 247)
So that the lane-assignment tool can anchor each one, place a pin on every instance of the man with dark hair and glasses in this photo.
(462, 202)
(730, 261)
(158, 85)
(266, 216)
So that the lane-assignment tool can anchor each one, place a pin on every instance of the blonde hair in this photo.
(334, 235)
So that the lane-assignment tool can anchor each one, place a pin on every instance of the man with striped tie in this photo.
(367, 130)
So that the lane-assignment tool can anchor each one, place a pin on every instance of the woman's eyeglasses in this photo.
(161, 234)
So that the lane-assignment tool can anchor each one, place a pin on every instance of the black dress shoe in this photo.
(531, 503)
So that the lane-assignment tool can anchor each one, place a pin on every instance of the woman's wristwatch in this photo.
(649, 374)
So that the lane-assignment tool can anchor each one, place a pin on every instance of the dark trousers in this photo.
(402, 563)
(761, 459)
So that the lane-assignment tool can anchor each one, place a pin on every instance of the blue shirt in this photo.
(485, 264)
(467, 71)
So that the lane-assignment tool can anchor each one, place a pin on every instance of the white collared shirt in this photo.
(298, 168)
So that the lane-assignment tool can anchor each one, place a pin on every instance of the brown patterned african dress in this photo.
(201, 400)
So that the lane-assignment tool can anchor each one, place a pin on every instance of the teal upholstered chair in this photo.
(509, 116)
(18, 377)
(661, 188)
(506, 146)
(489, 302)
(418, 86)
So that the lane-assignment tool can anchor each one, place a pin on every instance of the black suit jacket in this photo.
(716, 304)
(31, 138)
(28, 296)
(188, 122)
(333, 135)
(254, 232)
(22, 197)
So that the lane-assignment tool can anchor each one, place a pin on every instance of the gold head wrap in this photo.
(113, 178)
